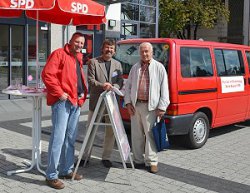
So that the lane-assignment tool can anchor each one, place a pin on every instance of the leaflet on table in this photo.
(24, 89)
(13, 87)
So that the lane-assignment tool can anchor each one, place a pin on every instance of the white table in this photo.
(36, 96)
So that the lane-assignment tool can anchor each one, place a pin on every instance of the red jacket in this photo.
(59, 76)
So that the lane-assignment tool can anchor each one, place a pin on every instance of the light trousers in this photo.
(142, 136)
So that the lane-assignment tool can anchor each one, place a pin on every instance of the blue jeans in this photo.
(65, 118)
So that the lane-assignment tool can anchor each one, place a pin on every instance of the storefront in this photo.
(18, 51)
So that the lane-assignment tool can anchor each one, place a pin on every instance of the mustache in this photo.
(108, 52)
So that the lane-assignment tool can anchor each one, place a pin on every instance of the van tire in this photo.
(199, 131)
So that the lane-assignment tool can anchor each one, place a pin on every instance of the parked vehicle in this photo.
(209, 84)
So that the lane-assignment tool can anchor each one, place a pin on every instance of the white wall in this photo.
(60, 35)
(113, 12)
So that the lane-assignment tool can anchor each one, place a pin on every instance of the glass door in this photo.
(4, 58)
(42, 53)
(17, 55)
(11, 56)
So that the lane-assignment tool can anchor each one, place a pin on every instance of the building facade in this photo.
(237, 30)
(125, 19)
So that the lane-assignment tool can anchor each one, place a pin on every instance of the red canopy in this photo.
(64, 12)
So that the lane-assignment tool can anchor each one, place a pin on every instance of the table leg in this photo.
(36, 138)
(37, 124)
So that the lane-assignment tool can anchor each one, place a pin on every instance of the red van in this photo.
(209, 83)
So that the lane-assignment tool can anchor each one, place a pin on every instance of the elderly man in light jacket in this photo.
(146, 97)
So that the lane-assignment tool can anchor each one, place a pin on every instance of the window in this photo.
(128, 55)
(229, 62)
(143, 13)
(129, 29)
(147, 14)
(130, 12)
(133, 1)
(147, 30)
(248, 59)
(195, 62)
(148, 2)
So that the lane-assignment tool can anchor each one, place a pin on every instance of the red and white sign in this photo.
(232, 84)
(79, 8)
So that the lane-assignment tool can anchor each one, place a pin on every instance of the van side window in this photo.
(229, 62)
(248, 59)
(195, 62)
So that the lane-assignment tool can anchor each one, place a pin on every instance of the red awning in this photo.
(64, 12)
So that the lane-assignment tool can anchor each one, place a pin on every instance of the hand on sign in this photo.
(107, 86)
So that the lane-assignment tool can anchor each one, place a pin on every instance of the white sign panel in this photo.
(119, 130)
(232, 84)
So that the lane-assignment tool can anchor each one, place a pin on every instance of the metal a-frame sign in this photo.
(107, 100)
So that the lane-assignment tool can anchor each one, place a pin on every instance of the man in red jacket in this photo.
(66, 93)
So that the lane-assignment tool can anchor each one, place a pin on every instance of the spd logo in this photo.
(79, 8)
(22, 4)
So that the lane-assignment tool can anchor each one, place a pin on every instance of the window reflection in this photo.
(147, 14)
(17, 51)
(147, 30)
(138, 15)
(4, 54)
(130, 12)
(229, 62)
(128, 55)
(133, 1)
(42, 54)
(196, 62)
(248, 59)
(129, 29)
(148, 2)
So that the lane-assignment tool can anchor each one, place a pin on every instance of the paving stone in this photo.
(222, 165)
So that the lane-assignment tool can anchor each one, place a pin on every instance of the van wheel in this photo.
(199, 131)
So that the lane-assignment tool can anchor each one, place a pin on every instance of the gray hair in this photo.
(146, 44)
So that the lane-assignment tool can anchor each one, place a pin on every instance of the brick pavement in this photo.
(222, 165)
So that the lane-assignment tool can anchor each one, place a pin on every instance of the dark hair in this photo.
(77, 34)
(109, 42)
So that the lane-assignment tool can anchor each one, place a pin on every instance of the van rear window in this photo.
(195, 62)
(128, 55)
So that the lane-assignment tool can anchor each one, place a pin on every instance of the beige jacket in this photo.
(158, 86)
(97, 76)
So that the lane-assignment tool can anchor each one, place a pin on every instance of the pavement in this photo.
(222, 165)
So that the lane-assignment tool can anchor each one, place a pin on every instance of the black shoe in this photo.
(81, 164)
(107, 163)
(128, 165)
(140, 166)
(137, 166)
